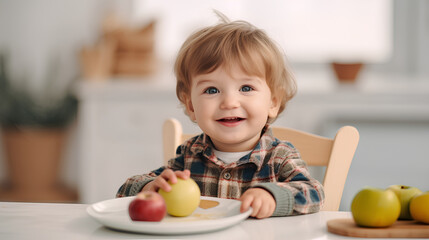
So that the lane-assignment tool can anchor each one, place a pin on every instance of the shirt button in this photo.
(227, 175)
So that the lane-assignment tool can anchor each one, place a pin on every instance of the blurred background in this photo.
(85, 86)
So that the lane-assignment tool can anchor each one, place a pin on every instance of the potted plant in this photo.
(34, 130)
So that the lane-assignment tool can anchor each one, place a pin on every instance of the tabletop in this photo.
(71, 221)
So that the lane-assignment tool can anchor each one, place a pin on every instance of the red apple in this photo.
(147, 206)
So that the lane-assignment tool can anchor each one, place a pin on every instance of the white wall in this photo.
(389, 153)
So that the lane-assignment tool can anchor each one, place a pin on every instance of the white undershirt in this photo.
(230, 157)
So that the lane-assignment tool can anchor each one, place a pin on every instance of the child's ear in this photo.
(190, 109)
(274, 108)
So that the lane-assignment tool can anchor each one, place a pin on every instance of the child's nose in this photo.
(229, 100)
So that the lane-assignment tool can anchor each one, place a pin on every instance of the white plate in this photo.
(114, 214)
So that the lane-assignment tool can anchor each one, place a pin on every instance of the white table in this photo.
(70, 221)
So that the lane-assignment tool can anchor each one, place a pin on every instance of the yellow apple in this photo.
(405, 194)
(419, 207)
(374, 207)
(183, 198)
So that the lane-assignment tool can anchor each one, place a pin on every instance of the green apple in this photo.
(183, 198)
(419, 207)
(374, 207)
(405, 194)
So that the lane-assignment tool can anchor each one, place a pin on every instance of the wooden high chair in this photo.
(334, 154)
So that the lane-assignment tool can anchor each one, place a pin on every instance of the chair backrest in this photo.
(335, 154)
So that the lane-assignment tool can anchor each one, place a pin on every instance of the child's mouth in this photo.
(231, 120)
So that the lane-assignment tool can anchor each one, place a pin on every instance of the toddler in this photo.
(233, 82)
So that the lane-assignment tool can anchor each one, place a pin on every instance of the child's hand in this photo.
(260, 200)
(160, 182)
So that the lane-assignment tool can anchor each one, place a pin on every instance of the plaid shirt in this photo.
(273, 165)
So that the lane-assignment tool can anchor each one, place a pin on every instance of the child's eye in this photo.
(211, 90)
(246, 88)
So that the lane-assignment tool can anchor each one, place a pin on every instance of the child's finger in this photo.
(161, 183)
(187, 172)
(256, 205)
(245, 203)
(183, 174)
(264, 211)
(169, 175)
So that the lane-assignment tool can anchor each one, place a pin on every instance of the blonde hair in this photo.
(233, 42)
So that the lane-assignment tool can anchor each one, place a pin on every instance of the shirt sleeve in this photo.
(135, 184)
(295, 191)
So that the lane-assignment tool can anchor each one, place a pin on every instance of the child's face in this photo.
(231, 107)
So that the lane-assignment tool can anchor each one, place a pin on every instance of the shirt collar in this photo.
(204, 146)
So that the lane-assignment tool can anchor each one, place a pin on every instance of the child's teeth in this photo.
(230, 119)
